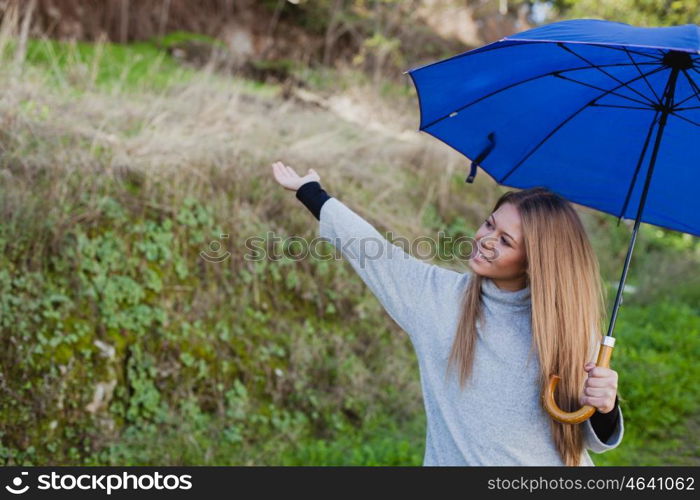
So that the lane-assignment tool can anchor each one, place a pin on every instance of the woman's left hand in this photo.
(600, 388)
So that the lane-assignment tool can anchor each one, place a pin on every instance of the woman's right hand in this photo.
(289, 179)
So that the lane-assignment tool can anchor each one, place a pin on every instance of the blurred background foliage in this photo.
(636, 12)
(135, 148)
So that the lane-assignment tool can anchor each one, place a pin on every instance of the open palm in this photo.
(289, 179)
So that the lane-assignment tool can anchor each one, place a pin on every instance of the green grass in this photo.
(656, 356)
(181, 37)
(380, 441)
(137, 65)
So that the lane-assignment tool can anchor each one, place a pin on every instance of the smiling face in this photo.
(500, 253)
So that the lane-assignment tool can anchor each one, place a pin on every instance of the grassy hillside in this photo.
(121, 344)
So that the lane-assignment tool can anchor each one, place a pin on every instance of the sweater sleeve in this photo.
(595, 443)
(604, 423)
(411, 291)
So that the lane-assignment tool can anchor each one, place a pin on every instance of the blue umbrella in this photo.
(605, 114)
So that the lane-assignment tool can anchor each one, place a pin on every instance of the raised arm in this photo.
(413, 292)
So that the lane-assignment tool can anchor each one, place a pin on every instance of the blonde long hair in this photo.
(567, 301)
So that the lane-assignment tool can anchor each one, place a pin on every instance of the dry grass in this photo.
(203, 127)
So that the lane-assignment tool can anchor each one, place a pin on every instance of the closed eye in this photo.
(505, 242)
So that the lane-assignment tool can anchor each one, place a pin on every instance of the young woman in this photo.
(487, 340)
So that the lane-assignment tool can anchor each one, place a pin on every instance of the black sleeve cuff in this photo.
(312, 195)
(604, 424)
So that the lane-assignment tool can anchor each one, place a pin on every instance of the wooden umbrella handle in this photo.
(583, 413)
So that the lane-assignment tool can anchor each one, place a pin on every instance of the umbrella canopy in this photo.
(577, 106)
(605, 114)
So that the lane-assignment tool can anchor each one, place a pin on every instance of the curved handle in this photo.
(585, 412)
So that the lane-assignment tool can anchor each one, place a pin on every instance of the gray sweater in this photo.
(497, 419)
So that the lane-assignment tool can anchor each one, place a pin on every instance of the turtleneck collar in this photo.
(518, 298)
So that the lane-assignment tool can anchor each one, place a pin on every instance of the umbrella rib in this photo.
(687, 99)
(684, 118)
(693, 85)
(636, 170)
(658, 99)
(648, 108)
(522, 42)
(632, 51)
(565, 122)
(606, 46)
(471, 53)
(599, 88)
(507, 87)
(569, 49)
